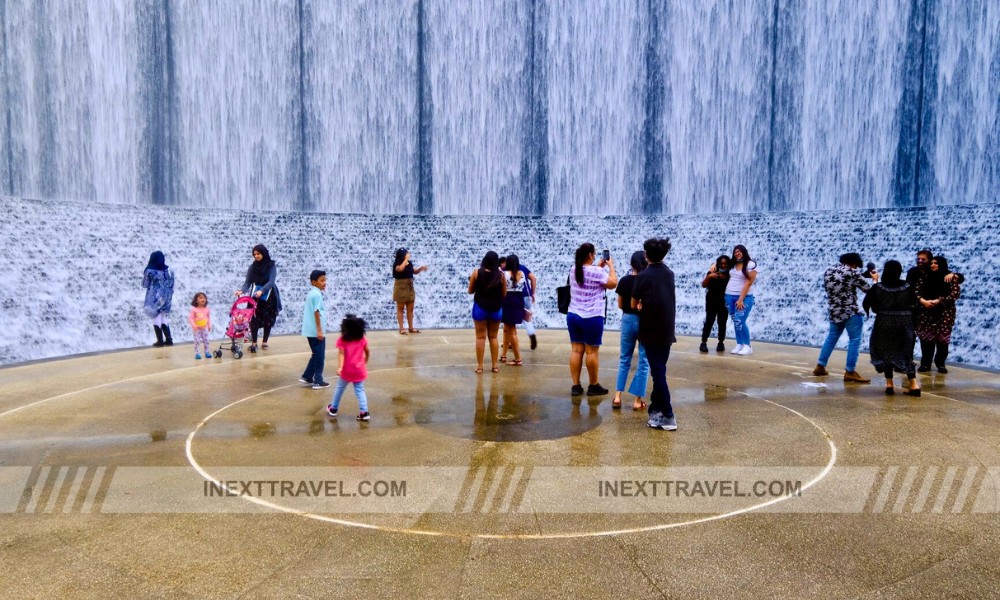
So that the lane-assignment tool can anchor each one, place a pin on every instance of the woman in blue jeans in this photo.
(739, 300)
(629, 339)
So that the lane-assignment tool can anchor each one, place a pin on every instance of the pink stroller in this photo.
(239, 326)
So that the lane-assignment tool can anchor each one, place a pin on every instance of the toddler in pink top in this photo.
(352, 365)
(200, 319)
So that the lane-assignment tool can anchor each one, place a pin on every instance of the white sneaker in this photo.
(737, 349)
(745, 350)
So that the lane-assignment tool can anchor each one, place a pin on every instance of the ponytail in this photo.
(582, 253)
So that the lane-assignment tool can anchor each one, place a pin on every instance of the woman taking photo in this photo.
(739, 300)
(937, 297)
(629, 339)
(892, 300)
(489, 287)
(260, 285)
(402, 291)
(585, 318)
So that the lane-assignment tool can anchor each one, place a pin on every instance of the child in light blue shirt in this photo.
(313, 325)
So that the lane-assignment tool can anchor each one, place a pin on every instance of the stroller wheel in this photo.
(218, 354)
(238, 354)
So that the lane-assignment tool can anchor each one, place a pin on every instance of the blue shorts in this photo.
(585, 331)
(478, 314)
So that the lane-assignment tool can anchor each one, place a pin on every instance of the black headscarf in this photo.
(891, 274)
(157, 262)
(934, 285)
(260, 269)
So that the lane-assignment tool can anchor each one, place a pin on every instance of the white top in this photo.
(737, 280)
(516, 287)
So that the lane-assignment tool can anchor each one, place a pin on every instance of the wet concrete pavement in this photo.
(115, 468)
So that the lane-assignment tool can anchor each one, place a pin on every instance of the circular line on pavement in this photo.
(534, 536)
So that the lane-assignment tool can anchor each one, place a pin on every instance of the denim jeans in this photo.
(359, 391)
(629, 338)
(314, 370)
(740, 317)
(853, 327)
(659, 400)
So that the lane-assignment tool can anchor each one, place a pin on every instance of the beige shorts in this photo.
(402, 291)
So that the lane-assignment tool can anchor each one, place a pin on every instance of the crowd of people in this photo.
(920, 306)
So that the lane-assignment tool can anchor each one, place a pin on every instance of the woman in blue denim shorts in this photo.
(585, 318)
(489, 286)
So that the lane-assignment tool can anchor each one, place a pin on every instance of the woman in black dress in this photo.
(260, 285)
(892, 301)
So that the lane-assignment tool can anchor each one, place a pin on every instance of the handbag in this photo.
(562, 297)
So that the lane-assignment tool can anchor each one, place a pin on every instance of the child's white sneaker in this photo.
(745, 350)
(737, 349)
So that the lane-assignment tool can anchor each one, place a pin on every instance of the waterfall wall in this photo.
(72, 272)
(514, 107)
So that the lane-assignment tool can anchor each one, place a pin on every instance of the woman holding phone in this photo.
(402, 291)
(585, 319)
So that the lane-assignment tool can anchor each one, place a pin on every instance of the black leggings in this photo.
(253, 333)
(715, 313)
(931, 350)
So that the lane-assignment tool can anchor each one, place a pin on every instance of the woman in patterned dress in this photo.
(935, 322)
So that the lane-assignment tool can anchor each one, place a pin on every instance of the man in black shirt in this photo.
(653, 296)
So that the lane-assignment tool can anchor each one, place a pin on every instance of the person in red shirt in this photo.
(352, 365)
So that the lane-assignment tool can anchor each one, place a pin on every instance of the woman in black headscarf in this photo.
(937, 296)
(260, 284)
(892, 300)
(158, 280)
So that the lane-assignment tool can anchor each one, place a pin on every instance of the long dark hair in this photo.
(194, 301)
(157, 262)
(745, 260)
(352, 328)
(582, 253)
(491, 262)
(513, 266)
(638, 261)
(400, 257)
